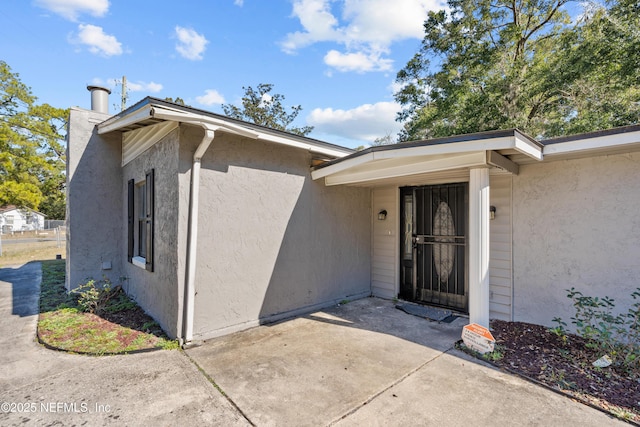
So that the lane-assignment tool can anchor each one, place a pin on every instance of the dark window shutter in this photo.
(149, 220)
(131, 219)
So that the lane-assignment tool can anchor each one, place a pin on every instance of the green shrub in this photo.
(88, 296)
(617, 335)
(102, 297)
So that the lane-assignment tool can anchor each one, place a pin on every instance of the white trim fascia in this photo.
(304, 145)
(195, 119)
(501, 143)
(528, 148)
(223, 125)
(165, 113)
(118, 123)
(466, 160)
(613, 141)
(139, 140)
(343, 165)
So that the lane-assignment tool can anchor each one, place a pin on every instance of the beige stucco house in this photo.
(218, 225)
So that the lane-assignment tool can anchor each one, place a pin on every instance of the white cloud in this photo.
(238, 2)
(210, 97)
(366, 30)
(359, 61)
(138, 86)
(151, 87)
(97, 41)
(319, 23)
(191, 45)
(71, 9)
(366, 122)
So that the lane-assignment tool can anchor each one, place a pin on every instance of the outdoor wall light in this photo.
(492, 212)
(382, 215)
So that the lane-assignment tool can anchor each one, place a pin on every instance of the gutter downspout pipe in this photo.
(192, 235)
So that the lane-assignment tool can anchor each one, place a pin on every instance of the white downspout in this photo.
(192, 234)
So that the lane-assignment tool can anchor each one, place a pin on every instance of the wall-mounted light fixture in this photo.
(492, 212)
(382, 215)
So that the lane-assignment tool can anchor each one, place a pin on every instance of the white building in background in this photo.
(13, 219)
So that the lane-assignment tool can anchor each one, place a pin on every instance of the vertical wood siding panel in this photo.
(384, 270)
(501, 260)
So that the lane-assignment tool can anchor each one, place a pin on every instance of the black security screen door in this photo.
(433, 245)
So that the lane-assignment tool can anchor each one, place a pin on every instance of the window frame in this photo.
(140, 223)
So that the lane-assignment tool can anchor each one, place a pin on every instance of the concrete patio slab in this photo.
(455, 390)
(367, 363)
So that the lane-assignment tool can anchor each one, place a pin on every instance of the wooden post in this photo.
(479, 246)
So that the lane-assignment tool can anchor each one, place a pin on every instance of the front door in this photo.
(433, 246)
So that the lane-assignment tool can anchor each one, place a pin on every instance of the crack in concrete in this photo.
(219, 389)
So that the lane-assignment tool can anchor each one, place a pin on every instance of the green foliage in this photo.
(486, 65)
(559, 330)
(89, 296)
(119, 302)
(384, 140)
(167, 344)
(32, 156)
(259, 106)
(177, 100)
(53, 294)
(63, 325)
(495, 355)
(558, 377)
(102, 297)
(617, 335)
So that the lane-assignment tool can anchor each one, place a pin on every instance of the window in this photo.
(140, 221)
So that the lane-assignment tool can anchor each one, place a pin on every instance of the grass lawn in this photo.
(20, 253)
(118, 325)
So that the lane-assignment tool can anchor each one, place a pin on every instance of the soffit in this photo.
(409, 164)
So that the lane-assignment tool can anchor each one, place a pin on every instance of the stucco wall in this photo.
(157, 292)
(271, 241)
(576, 223)
(94, 202)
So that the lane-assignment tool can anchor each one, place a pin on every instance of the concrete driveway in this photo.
(363, 363)
(44, 387)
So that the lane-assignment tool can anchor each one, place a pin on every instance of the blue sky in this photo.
(336, 58)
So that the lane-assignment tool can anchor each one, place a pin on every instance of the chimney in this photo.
(99, 98)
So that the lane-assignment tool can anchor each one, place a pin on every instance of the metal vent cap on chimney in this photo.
(99, 98)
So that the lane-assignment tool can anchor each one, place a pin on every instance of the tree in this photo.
(178, 100)
(32, 157)
(264, 109)
(384, 140)
(487, 64)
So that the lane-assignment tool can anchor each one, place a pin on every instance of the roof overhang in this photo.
(155, 114)
(377, 164)
(612, 141)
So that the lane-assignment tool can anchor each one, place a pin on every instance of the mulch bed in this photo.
(565, 364)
